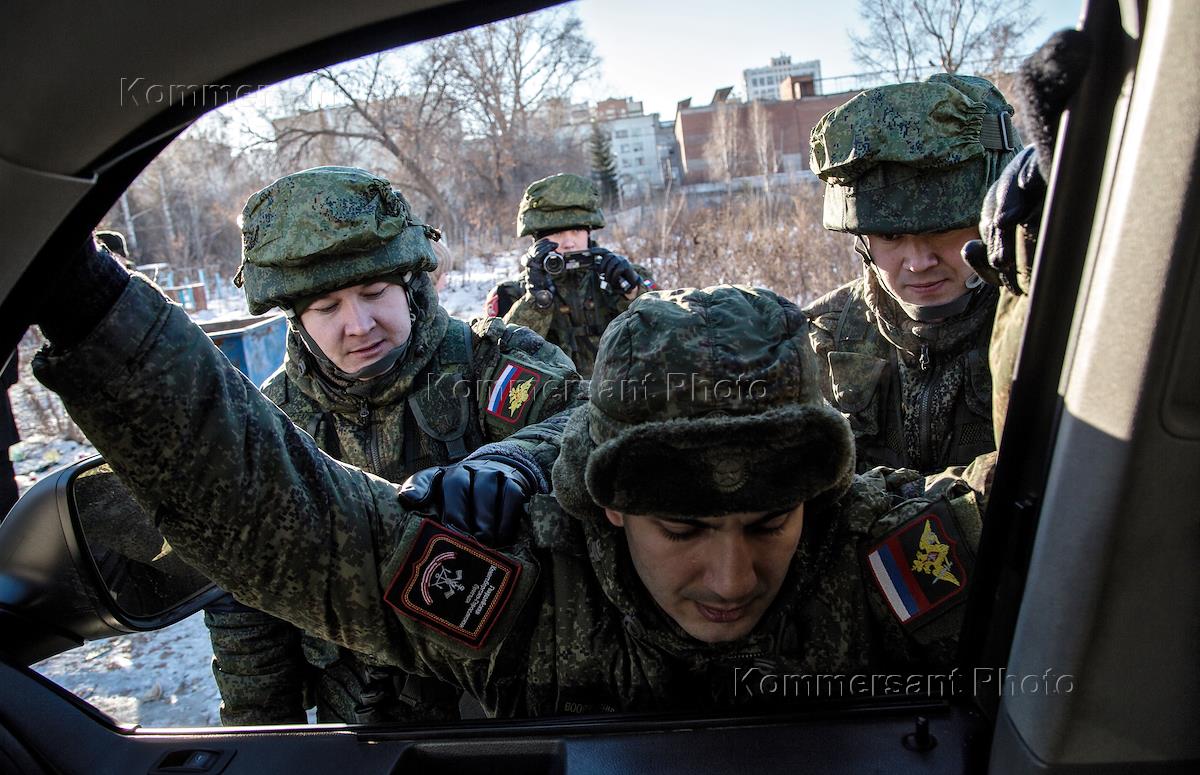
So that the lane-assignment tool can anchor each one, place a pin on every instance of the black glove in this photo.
(92, 279)
(536, 280)
(483, 497)
(1005, 255)
(617, 271)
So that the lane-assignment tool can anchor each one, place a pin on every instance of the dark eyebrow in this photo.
(770, 515)
(695, 521)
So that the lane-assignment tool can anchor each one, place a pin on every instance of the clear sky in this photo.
(662, 51)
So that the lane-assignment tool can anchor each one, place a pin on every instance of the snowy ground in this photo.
(164, 678)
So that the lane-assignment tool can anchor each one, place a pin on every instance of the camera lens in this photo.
(554, 264)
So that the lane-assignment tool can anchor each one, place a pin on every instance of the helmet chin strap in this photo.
(371, 370)
(922, 313)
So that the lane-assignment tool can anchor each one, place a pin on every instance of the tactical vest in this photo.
(864, 383)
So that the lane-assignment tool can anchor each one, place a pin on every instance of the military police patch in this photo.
(917, 567)
(513, 392)
(453, 584)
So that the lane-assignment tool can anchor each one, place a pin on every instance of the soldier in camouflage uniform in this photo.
(706, 533)
(904, 348)
(572, 308)
(382, 378)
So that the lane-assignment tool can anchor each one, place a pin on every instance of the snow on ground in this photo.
(164, 678)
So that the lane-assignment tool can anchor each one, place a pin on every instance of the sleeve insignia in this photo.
(917, 568)
(453, 584)
(513, 391)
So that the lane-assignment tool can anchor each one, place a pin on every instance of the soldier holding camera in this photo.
(572, 288)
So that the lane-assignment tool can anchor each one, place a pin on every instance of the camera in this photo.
(556, 263)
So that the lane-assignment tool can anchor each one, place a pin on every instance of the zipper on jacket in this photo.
(364, 414)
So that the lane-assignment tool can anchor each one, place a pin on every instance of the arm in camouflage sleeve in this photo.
(918, 564)
(258, 665)
(525, 312)
(250, 501)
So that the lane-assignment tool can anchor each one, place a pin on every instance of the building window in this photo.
(621, 133)
(641, 162)
(624, 149)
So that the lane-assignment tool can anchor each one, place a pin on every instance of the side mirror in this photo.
(81, 560)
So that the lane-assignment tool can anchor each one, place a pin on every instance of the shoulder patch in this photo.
(509, 398)
(917, 567)
(453, 584)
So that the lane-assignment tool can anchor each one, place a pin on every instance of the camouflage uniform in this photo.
(909, 159)
(558, 621)
(581, 308)
(427, 410)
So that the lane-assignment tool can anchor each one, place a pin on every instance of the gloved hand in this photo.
(536, 280)
(483, 497)
(617, 271)
(1009, 225)
(93, 280)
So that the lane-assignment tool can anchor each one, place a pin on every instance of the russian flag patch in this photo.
(917, 568)
(513, 392)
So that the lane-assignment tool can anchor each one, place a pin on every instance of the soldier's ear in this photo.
(616, 518)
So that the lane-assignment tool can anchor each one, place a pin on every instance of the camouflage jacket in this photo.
(552, 623)
(425, 414)
(918, 395)
(580, 313)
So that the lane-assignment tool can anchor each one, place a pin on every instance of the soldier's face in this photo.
(358, 325)
(570, 240)
(717, 576)
(923, 269)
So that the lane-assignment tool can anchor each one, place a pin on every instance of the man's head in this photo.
(706, 441)
(337, 249)
(563, 208)
(906, 167)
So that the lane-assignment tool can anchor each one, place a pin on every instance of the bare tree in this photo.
(724, 148)
(375, 111)
(500, 76)
(906, 38)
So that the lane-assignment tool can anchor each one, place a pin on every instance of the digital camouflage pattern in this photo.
(426, 412)
(559, 202)
(906, 159)
(316, 231)
(580, 313)
(918, 395)
(682, 369)
(247, 498)
(325, 228)
(911, 158)
(581, 309)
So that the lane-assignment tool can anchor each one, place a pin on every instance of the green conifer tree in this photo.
(604, 166)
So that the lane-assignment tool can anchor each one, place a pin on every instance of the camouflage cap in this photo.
(703, 403)
(326, 228)
(559, 202)
(910, 158)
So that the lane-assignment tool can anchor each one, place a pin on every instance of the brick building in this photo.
(750, 138)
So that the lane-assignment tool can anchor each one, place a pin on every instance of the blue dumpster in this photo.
(254, 344)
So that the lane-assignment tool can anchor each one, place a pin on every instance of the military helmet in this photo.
(909, 158)
(326, 228)
(703, 403)
(557, 203)
(114, 241)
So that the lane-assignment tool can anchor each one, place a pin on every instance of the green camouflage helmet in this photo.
(703, 403)
(557, 203)
(327, 228)
(910, 158)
